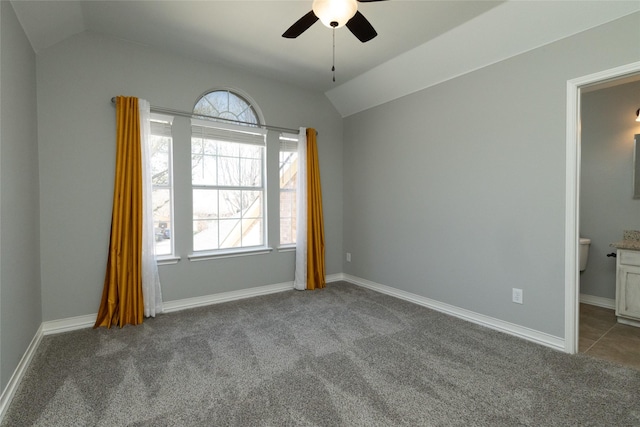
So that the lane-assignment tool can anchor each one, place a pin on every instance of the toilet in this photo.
(584, 252)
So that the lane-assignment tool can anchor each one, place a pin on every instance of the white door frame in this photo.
(572, 199)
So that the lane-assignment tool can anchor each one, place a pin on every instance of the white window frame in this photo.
(209, 129)
(162, 125)
(288, 142)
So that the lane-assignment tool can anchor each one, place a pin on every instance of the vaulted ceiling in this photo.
(444, 38)
(249, 33)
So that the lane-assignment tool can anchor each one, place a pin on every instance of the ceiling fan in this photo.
(335, 14)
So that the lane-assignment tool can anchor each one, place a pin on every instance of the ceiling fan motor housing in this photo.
(335, 13)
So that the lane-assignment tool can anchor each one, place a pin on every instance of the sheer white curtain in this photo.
(300, 281)
(151, 291)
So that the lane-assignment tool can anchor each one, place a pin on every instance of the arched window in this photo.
(226, 105)
(227, 175)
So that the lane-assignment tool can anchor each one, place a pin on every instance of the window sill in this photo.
(204, 256)
(167, 259)
(288, 248)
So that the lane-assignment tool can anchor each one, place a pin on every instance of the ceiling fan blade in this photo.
(301, 25)
(361, 28)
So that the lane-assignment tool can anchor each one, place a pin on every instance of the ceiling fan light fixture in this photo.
(335, 11)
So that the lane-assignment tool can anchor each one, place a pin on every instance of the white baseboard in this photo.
(80, 322)
(205, 300)
(187, 303)
(598, 301)
(334, 277)
(629, 322)
(16, 378)
(87, 321)
(538, 337)
(68, 324)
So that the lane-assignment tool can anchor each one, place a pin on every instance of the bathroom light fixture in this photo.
(335, 13)
(638, 115)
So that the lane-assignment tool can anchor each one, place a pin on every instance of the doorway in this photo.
(573, 156)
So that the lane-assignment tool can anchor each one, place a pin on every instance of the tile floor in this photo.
(603, 337)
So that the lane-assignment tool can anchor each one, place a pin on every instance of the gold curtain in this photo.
(315, 219)
(122, 301)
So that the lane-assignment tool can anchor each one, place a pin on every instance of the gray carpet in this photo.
(343, 355)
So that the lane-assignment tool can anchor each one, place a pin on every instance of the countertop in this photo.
(633, 245)
(630, 240)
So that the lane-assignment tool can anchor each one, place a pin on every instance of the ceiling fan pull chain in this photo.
(333, 64)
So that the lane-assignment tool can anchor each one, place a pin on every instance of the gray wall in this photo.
(76, 80)
(20, 308)
(457, 192)
(607, 206)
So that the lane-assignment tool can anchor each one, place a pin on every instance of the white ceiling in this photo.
(419, 42)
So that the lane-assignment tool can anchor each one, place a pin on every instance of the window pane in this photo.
(219, 100)
(230, 233)
(159, 155)
(161, 202)
(197, 167)
(205, 235)
(288, 169)
(197, 170)
(196, 145)
(251, 151)
(230, 203)
(236, 104)
(235, 233)
(205, 204)
(160, 159)
(210, 167)
(229, 149)
(203, 162)
(229, 171)
(288, 185)
(248, 116)
(252, 232)
(285, 231)
(252, 204)
(210, 147)
(287, 217)
(205, 108)
(287, 200)
(251, 172)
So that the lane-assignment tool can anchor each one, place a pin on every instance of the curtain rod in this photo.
(196, 116)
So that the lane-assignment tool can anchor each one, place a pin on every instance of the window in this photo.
(162, 183)
(228, 175)
(288, 184)
(226, 105)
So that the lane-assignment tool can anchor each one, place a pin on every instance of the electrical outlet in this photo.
(348, 256)
(517, 296)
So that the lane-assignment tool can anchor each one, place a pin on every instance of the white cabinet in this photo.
(628, 287)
